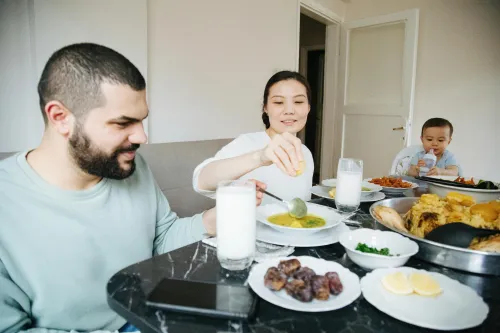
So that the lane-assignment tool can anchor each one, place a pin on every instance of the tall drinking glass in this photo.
(236, 226)
(349, 177)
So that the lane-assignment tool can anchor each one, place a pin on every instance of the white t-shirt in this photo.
(278, 182)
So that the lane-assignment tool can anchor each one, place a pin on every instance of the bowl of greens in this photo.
(373, 249)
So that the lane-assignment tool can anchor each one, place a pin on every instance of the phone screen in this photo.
(203, 298)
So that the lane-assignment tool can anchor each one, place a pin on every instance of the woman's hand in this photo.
(258, 194)
(284, 150)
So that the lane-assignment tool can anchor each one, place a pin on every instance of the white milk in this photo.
(348, 191)
(236, 223)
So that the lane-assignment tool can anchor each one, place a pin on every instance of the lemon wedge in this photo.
(397, 283)
(424, 284)
(302, 167)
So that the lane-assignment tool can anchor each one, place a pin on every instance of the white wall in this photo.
(21, 121)
(206, 68)
(458, 73)
(209, 66)
(339, 7)
(32, 30)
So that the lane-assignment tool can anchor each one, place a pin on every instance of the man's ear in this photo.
(59, 117)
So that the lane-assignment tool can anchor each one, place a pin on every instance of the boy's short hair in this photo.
(437, 122)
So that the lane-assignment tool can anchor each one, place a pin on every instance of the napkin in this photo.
(263, 251)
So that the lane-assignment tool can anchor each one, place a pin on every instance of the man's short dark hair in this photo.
(437, 122)
(73, 76)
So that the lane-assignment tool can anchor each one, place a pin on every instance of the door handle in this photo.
(398, 128)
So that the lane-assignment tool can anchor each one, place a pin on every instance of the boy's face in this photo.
(437, 138)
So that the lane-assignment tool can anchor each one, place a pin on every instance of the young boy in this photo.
(436, 134)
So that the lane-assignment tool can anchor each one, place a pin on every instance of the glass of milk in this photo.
(236, 224)
(349, 177)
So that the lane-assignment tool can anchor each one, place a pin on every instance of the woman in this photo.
(275, 156)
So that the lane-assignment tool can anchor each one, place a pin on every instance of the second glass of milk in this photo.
(236, 224)
(349, 177)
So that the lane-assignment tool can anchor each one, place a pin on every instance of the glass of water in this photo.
(349, 178)
(236, 226)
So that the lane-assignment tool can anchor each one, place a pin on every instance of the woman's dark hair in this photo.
(278, 77)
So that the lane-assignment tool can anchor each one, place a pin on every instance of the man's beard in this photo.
(94, 161)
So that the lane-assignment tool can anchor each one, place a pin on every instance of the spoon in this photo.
(296, 207)
(458, 234)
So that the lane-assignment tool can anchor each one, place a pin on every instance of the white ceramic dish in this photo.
(457, 307)
(400, 247)
(331, 216)
(479, 195)
(322, 238)
(374, 188)
(322, 191)
(350, 282)
(396, 190)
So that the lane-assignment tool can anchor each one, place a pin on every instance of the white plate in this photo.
(322, 192)
(373, 187)
(350, 282)
(397, 189)
(322, 238)
(332, 218)
(457, 307)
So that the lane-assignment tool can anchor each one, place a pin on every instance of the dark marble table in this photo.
(127, 291)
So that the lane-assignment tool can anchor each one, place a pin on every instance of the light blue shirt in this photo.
(58, 248)
(448, 159)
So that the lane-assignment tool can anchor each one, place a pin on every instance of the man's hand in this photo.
(421, 163)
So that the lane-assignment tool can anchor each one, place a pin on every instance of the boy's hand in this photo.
(435, 171)
(421, 163)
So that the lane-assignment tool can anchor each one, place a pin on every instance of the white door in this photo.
(376, 87)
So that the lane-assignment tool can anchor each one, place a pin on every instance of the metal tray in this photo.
(448, 256)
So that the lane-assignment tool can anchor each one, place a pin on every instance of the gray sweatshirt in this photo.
(58, 248)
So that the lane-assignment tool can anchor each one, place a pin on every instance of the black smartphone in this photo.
(209, 299)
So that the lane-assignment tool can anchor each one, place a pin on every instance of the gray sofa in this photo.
(172, 165)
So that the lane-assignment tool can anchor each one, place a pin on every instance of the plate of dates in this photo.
(304, 283)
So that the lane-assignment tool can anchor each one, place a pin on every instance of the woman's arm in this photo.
(229, 168)
(284, 150)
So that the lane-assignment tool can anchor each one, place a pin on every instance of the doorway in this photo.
(312, 66)
(318, 44)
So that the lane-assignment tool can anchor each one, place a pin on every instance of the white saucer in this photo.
(320, 238)
(322, 192)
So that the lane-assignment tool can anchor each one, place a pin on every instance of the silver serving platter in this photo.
(448, 256)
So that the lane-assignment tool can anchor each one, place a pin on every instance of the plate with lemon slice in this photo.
(423, 298)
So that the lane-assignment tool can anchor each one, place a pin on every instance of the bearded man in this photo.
(83, 204)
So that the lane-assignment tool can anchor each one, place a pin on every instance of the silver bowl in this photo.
(448, 256)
